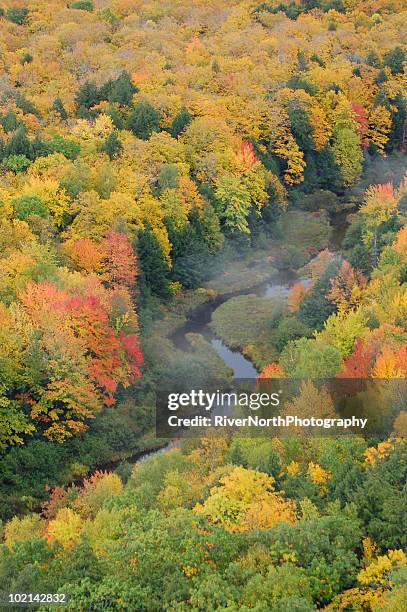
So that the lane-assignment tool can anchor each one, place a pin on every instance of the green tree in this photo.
(59, 108)
(144, 120)
(25, 105)
(25, 206)
(180, 122)
(112, 146)
(19, 144)
(154, 269)
(67, 147)
(288, 329)
(9, 122)
(119, 91)
(18, 15)
(307, 358)
(16, 163)
(315, 307)
(82, 5)
(395, 60)
(87, 96)
(26, 59)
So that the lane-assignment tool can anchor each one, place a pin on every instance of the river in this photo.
(279, 285)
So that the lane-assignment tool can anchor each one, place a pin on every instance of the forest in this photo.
(193, 192)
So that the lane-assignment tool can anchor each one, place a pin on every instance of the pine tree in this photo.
(19, 144)
(181, 121)
(153, 266)
(144, 120)
(87, 96)
(9, 122)
(120, 90)
(112, 146)
(59, 108)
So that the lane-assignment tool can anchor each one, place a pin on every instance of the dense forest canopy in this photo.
(149, 152)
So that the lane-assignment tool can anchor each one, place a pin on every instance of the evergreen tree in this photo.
(26, 59)
(59, 108)
(154, 269)
(315, 308)
(25, 105)
(395, 60)
(116, 116)
(82, 5)
(181, 122)
(17, 15)
(87, 96)
(39, 148)
(189, 256)
(373, 59)
(144, 120)
(9, 122)
(112, 146)
(19, 144)
(120, 90)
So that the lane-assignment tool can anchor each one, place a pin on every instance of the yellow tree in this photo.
(246, 500)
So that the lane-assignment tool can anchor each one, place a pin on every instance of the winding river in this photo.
(199, 323)
(278, 286)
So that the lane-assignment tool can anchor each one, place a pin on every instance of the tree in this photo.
(245, 500)
(87, 96)
(82, 5)
(289, 329)
(26, 59)
(359, 364)
(180, 122)
(19, 144)
(348, 155)
(67, 147)
(235, 201)
(144, 120)
(25, 105)
(112, 146)
(347, 287)
(119, 260)
(315, 307)
(59, 108)
(284, 146)
(395, 60)
(9, 122)
(16, 163)
(342, 329)
(306, 358)
(379, 205)
(26, 206)
(119, 90)
(154, 269)
(18, 15)
(72, 362)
